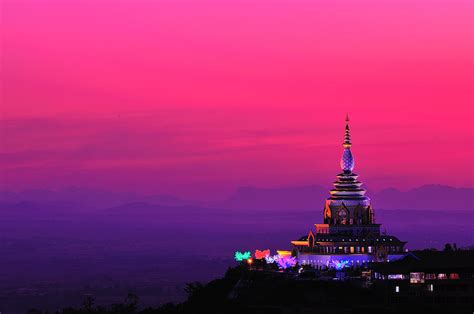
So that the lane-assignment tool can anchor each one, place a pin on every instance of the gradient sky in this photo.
(196, 98)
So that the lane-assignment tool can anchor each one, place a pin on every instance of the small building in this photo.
(444, 281)
(427, 266)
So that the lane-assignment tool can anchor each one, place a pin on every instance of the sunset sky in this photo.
(196, 98)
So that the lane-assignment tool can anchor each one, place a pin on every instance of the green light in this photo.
(239, 256)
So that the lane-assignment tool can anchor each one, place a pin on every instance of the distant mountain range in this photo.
(296, 198)
(285, 198)
(427, 197)
(86, 198)
(429, 216)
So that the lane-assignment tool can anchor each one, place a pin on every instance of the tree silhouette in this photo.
(448, 247)
(192, 288)
(88, 303)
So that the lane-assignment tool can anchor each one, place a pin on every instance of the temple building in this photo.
(349, 235)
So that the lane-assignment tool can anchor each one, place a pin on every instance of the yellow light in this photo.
(250, 261)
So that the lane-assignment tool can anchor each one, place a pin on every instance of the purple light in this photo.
(286, 262)
(338, 265)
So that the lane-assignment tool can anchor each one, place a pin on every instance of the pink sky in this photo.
(196, 98)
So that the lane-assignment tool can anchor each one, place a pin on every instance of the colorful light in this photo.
(284, 253)
(239, 256)
(283, 261)
(339, 264)
(250, 261)
(262, 254)
(271, 259)
(286, 262)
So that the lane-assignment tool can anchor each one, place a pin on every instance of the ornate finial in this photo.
(347, 136)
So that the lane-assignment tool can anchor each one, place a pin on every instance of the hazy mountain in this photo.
(427, 197)
(29, 207)
(285, 198)
(86, 198)
(146, 210)
(291, 199)
(51, 245)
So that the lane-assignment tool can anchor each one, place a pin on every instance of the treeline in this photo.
(260, 292)
(201, 298)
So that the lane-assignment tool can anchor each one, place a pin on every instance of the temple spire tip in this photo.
(347, 135)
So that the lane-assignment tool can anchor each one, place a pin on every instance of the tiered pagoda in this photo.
(349, 234)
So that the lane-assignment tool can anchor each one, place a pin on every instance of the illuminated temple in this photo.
(349, 233)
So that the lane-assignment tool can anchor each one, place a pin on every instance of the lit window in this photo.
(397, 289)
(430, 276)
(417, 277)
(430, 287)
(396, 277)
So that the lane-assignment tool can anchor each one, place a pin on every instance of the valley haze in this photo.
(74, 241)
